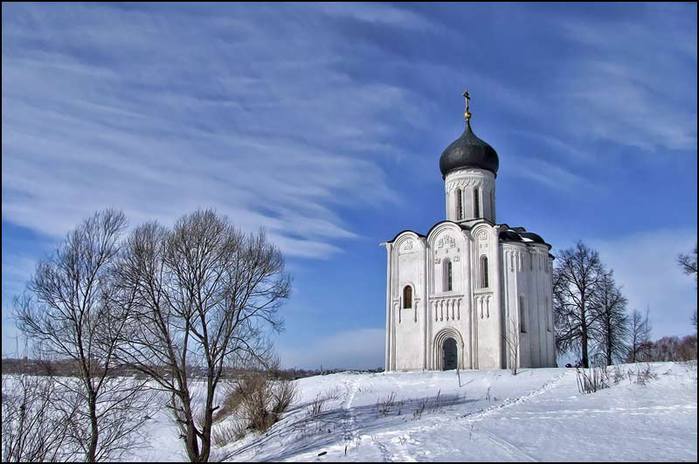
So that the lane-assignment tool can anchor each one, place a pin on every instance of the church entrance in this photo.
(450, 354)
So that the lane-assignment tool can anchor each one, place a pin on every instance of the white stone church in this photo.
(471, 293)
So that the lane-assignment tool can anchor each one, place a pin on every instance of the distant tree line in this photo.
(68, 368)
(593, 320)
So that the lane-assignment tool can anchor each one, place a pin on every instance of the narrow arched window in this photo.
(484, 271)
(459, 205)
(447, 275)
(522, 327)
(547, 313)
(407, 296)
(476, 204)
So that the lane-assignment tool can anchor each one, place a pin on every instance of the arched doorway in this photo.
(450, 354)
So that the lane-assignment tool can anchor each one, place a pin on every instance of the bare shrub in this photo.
(259, 401)
(316, 406)
(388, 404)
(283, 394)
(255, 395)
(437, 402)
(592, 379)
(432, 404)
(617, 375)
(230, 404)
(417, 414)
(645, 374)
(227, 432)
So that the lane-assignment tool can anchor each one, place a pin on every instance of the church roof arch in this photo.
(482, 225)
(408, 232)
(408, 241)
(441, 226)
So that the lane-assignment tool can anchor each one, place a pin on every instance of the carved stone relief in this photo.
(407, 246)
(446, 241)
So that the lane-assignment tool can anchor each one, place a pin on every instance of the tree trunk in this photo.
(208, 420)
(583, 328)
(91, 455)
(191, 439)
(583, 339)
(608, 338)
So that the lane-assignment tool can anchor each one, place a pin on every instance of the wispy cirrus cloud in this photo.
(632, 82)
(112, 106)
(551, 175)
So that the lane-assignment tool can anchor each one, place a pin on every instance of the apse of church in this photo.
(455, 294)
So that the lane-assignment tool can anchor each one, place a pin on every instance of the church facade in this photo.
(471, 293)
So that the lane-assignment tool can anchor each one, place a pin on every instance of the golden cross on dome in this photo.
(467, 113)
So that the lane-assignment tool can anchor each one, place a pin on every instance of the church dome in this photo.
(468, 151)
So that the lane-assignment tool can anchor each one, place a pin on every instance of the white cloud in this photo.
(351, 349)
(645, 264)
(377, 13)
(551, 175)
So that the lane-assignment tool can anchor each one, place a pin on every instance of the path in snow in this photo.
(537, 415)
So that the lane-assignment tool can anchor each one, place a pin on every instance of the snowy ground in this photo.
(538, 415)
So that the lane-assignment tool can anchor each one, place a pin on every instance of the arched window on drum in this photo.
(476, 204)
(459, 204)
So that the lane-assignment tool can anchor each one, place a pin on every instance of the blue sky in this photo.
(324, 124)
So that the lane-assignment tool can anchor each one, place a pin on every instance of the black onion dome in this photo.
(468, 151)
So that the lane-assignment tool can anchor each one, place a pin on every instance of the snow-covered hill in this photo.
(489, 415)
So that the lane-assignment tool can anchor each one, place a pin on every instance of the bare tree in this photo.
(639, 337)
(612, 328)
(200, 296)
(69, 312)
(512, 343)
(34, 429)
(575, 287)
(688, 262)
